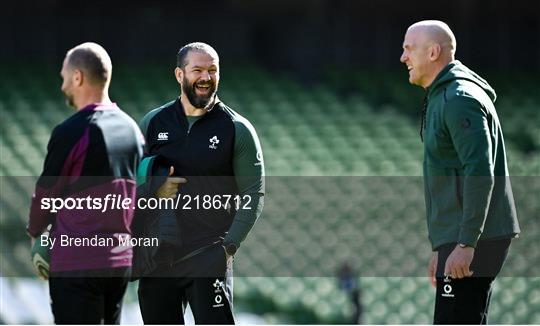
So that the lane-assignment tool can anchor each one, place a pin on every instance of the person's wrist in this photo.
(464, 246)
(230, 248)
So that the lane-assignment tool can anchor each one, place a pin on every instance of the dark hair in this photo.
(182, 54)
(93, 60)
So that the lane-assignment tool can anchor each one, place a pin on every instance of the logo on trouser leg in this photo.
(447, 288)
(218, 299)
(218, 286)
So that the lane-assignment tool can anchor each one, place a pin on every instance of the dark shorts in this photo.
(466, 301)
(204, 281)
(88, 296)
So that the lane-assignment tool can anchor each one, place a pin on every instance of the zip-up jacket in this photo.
(220, 155)
(93, 153)
(467, 188)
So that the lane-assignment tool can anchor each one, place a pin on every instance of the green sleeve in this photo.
(145, 121)
(468, 125)
(248, 168)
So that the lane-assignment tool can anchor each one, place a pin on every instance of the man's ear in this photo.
(77, 77)
(179, 74)
(434, 52)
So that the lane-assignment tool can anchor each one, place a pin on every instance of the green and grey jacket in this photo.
(467, 188)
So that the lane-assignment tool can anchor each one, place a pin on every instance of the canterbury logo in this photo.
(163, 136)
(259, 158)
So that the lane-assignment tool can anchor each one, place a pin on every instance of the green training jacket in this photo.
(467, 189)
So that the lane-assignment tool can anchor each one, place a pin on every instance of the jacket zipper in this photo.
(423, 122)
(191, 127)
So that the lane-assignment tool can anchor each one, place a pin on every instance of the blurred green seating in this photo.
(364, 129)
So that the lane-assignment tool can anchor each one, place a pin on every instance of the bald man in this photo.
(470, 208)
(93, 154)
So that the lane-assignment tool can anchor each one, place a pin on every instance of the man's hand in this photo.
(40, 273)
(169, 188)
(432, 269)
(458, 263)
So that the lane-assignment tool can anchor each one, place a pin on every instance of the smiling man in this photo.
(211, 152)
(470, 207)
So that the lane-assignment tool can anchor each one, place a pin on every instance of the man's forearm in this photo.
(245, 219)
(477, 192)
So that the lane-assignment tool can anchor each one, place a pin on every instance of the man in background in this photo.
(348, 283)
(94, 153)
(470, 207)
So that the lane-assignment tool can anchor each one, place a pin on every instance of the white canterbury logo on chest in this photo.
(163, 136)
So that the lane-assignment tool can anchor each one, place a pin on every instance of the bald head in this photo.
(93, 61)
(428, 47)
(435, 32)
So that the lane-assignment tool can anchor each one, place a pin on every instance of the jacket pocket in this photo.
(445, 198)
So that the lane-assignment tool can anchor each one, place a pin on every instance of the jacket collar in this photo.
(443, 72)
(180, 107)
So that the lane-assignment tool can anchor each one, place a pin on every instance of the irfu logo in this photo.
(213, 142)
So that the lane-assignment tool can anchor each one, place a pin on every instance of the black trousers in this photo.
(466, 301)
(204, 281)
(88, 297)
